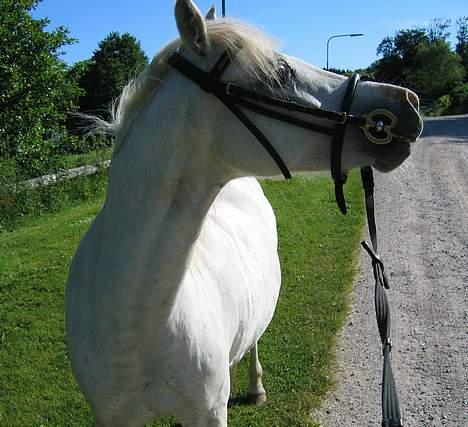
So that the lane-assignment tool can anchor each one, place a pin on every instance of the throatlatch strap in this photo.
(210, 84)
(258, 134)
(391, 416)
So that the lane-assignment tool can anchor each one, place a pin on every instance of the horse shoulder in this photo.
(233, 279)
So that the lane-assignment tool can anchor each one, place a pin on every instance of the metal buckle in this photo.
(343, 118)
(228, 88)
(387, 344)
(379, 125)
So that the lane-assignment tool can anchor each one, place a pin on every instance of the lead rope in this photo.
(391, 416)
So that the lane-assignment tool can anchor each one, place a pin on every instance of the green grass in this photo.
(317, 248)
(94, 157)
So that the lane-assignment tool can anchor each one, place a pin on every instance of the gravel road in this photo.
(422, 216)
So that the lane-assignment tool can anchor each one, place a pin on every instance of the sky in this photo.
(302, 26)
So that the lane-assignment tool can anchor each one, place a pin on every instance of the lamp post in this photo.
(224, 8)
(340, 35)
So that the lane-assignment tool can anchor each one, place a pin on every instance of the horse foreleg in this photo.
(215, 417)
(213, 411)
(256, 392)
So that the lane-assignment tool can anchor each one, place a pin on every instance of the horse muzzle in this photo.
(382, 126)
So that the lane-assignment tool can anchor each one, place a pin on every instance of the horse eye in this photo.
(285, 71)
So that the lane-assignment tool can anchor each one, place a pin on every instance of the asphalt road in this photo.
(422, 215)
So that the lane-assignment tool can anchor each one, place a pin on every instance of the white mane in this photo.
(257, 61)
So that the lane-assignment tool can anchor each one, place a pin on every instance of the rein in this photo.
(377, 126)
(391, 416)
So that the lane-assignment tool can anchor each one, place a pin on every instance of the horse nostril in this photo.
(413, 99)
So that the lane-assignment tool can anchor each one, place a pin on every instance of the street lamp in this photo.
(341, 35)
(224, 8)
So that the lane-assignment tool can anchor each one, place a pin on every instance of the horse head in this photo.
(384, 119)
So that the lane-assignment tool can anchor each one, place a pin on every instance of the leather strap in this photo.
(320, 113)
(221, 65)
(258, 134)
(210, 84)
(339, 177)
(391, 416)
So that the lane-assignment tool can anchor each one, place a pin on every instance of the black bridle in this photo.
(377, 125)
(378, 128)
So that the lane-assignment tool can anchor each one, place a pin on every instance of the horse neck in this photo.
(160, 190)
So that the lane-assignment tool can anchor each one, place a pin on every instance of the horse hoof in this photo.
(257, 399)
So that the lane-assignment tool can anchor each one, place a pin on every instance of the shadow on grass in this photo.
(239, 400)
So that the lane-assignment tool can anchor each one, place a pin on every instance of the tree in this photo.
(341, 71)
(435, 71)
(104, 75)
(406, 43)
(35, 91)
(462, 42)
(437, 29)
(398, 53)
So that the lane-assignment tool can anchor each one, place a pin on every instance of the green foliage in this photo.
(95, 157)
(437, 29)
(398, 54)
(18, 201)
(403, 45)
(422, 60)
(456, 102)
(462, 42)
(347, 73)
(35, 91)
(435, 70)
(459, 100)
(438, 108)
(102, 78)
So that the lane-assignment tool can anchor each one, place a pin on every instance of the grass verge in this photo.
(317, 249)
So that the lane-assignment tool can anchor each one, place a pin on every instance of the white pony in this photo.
(178, 276)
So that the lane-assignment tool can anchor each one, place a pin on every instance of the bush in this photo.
(439, 107)
(454, 103)
(459, 100)
(19, 201)
(73, 144)
(36, 158)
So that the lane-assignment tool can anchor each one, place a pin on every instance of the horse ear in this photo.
(192, 26)
(211, 14)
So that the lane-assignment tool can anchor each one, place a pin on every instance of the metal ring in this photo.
(228, 88)
(369, 127)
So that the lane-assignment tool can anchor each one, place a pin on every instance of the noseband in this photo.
(377, 126)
